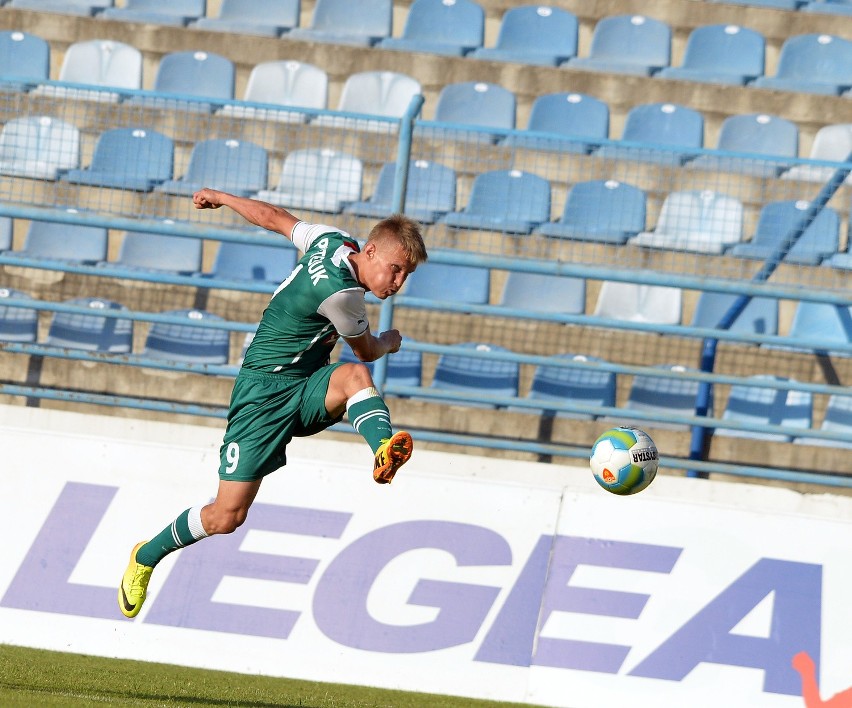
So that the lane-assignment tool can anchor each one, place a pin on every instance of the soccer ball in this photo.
(624, 460)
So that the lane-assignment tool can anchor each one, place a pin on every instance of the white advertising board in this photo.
(469, 576)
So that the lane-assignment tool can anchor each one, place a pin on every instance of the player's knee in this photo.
(222, 521)
(359, 376)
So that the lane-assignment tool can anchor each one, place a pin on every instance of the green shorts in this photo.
(265, 413)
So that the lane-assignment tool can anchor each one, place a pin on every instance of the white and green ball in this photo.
(624, 460)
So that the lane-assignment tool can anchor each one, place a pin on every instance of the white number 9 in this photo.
(232, 456)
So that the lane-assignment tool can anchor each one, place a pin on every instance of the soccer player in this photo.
(286, 386)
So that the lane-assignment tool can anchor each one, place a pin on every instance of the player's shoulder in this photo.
(307, 235)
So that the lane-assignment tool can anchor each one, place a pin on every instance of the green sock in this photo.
(370, 416)
(185, 530)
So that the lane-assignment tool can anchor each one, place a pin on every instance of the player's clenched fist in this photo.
(206, 199)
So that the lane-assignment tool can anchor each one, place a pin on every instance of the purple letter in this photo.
(795, 627)
(41, 582)
(543, 588)
(185, 599)
(340, 601)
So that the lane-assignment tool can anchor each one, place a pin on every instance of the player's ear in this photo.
(370, 249)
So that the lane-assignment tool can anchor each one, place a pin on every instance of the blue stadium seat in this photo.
(282, 83)
(668, 395)
(607, 211)
(39, 147)
(510, 201)
(75, 243)
(230, 165)
(91, 332)
(476, 104)
(812, 63)
(376, 93)
(446, 281)
(837, 418)
(159, 12)
(825, 322)
(253, 262)
(627, 44)
(6, 233)
(83, 8)
(188, 342)
(534, 34)
(101, 63)
(540, 292)
(829, 7)
(699, 221)
(841, 260)
(721, 54)
(269, 18)
(190, 75)
(832, 143)
(405, 367)
(670, 134)
(476, 376)
(768, 406)
(820, 240)
(757, 134)
(347, 22)
(586, 386)
(576, 123)
(430, 192)
(127, 158)
(17, 324)
(774, 4)
(760, 315)
(448, 27)
(633, 302)
(144, 250)
(24, 60)
(316, 180)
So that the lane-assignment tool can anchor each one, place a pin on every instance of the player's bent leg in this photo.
(227, 512)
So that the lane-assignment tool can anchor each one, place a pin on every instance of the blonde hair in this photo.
(407, 232)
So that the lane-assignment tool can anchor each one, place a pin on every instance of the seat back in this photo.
(230, 165)
(103, 62)
(183, 8)
(727, 49)
(91, 332)
(457, 372)
(759, 133)
(511, 194)
(820, 239)
(656, 394)
(639, 303)
(288, 83)
(447, 281)
(570, 114)
(430, 187)
(68, 242)
(605, 206)
(582, 386)
(322, 175)
(24, 56)
(6, 226)
(635, 39)
(17, 324)
(539, 28)
(135, 152)
(38, 146)
(664, 124)
(760, 315)
(700, 220)
(384, 93)
(188, 342)
(816, 57)
(458, 22)
(405, 367)
(476, 103)
(198, 73)
(541, 292)
(370, 19)
(770, 406)
(283, 13)
(819, 320)
(832, 142)
(255, 262)
(153, 251)
(838, 414)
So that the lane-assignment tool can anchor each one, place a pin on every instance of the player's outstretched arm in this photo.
(267, 216)
(368, 347)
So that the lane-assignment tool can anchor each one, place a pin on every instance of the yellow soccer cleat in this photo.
(393, 454)
(134, 585)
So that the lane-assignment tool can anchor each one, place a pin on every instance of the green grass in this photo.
(32, 678)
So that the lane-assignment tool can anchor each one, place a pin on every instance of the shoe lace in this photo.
(140, 577)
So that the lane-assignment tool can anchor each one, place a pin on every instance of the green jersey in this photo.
(319, 302)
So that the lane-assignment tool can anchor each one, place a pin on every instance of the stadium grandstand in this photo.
(636, 213)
